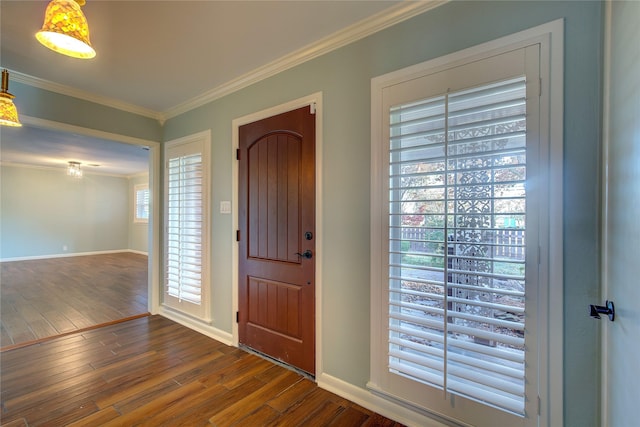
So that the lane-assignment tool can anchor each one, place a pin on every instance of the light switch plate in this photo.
(225, 207)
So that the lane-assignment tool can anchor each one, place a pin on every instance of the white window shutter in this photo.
(184, 228)
(457, 229)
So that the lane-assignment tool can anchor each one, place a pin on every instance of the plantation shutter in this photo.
(184, 228)
(457, 230)
(142, 203)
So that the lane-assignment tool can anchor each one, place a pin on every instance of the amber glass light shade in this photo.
(65, 30)
(8, 111)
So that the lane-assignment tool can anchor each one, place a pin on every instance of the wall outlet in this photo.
(64, 248)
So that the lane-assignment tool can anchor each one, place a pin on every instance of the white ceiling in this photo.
(35, 146)
(158, 56)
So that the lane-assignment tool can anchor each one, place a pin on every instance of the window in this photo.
(457, 234)
(458, 219)
(186, 216)
(141, 195)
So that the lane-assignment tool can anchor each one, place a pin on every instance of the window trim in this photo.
(136, 189)
(200, 312)
(550, 38)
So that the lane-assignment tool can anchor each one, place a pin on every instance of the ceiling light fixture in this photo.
(8, 110)
(65, 29)
(73, 170)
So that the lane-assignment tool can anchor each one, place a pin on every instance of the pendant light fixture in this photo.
(73, 170)
(65, 29)
(8, 110)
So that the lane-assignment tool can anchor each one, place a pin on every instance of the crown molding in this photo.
(87, 96)
(378, 22)
(139, 175)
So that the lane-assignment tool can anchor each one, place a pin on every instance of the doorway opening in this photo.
(77, 278)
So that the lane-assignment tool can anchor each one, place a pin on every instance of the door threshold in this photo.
(278, 362)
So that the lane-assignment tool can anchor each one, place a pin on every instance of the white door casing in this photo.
(621, 207)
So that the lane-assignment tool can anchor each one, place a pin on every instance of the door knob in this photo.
(596, 310)
(306, 254)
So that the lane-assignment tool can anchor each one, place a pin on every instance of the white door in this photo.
(621, 338)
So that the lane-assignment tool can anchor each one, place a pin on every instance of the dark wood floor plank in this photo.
(79, 320)
(299, 412)
(97, 418)
(61, 413)
(40, 353)
(231, 371)
(141, 414)
(377, 420)
(222, 362)
(147, 396)
(60, 361)
(59, 321)
(350, 417)
(42, 329)
(17, 328)
(132, 366)
(222, 398)
(20, 422)
(150, 382)
(324, 415)
(253, 401)
(126, 387)
(291, 396)
(5, 337)
(254, 366)
(261, 417)
(11, 389)
(169, 414)
(68, 389)
(28, 312)
(151, 371)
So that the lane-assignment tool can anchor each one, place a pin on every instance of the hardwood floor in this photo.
(154, 372)
(48, 297)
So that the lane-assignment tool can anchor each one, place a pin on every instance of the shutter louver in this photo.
(457, 231)
(184, 228)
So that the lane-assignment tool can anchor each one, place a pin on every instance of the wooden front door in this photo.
(276, 295)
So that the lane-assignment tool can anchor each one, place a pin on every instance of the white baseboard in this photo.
(71, 254)
(133, 251)
(196, 325)
(373, 402)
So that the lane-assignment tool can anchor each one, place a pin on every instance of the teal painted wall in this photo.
(344, 77)
(43, 104)
(44, 210)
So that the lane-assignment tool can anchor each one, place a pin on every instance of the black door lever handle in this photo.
(306, 254)
(596, 310)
